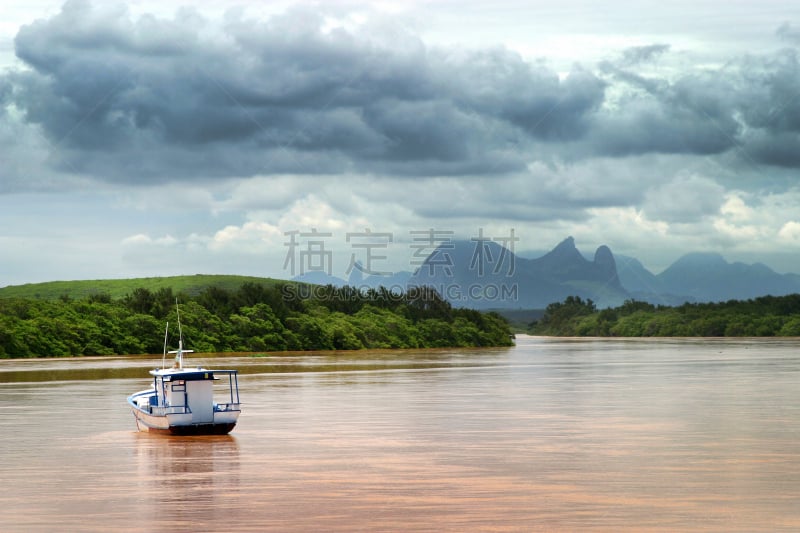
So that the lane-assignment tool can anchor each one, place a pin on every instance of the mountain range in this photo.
(705, 277)
(486, 275)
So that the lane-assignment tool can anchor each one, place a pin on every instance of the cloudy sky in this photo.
(149, 138)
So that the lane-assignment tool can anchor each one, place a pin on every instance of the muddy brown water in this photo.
(551, 434)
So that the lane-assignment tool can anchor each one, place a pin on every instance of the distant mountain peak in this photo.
(707, 276)
(566, 244)
(564, 251)
(356, 275)
(603, 256)
(702, 259)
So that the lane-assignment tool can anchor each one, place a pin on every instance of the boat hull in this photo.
(199, 429)
(190, 429)
(162, 424)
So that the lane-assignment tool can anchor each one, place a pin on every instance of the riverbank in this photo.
(767, 316)
(248, 319)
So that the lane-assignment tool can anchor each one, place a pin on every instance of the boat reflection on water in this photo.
(198, 476)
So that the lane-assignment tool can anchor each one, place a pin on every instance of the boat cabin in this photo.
(192, 391)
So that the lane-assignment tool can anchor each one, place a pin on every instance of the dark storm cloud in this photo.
(498, 83)
(749, 106)
(149, 99)
(778, 149)
(280, 96)
(693, 115)
(770, 106)
(118, 97)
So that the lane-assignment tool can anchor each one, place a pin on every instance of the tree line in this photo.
(766, 316)
(251, 318)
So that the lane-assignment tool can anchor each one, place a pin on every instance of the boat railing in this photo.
(160, 410)
(223, 407)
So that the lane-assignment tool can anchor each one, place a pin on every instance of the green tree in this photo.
(560, 318)
(257, 328)
(140, 300)
(310, 332)
(791, 328)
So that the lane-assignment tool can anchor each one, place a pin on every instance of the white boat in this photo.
(182, 400)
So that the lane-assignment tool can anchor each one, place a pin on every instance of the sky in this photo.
(156, 138)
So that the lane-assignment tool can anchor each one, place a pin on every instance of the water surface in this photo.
(553, 434)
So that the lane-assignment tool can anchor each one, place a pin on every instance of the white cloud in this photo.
(262, 193)
(251, 237)
(685, 198)
(738, 233)
(790, 232)
(736, 209)
(141, 239)
(313, 212)
(736, 221)
(758, 224)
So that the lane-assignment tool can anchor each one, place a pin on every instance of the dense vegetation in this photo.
(254, 317)
(760, 317)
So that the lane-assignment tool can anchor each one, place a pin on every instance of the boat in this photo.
(182, 400)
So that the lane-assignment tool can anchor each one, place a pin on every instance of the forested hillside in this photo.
(119, 288)
(253, 317)
(760, 317)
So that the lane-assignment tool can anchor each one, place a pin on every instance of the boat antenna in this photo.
(164, 357)
(178, 310)
(179, 354)
(180, 351)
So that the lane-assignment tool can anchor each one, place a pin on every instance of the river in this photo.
(551, 434)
